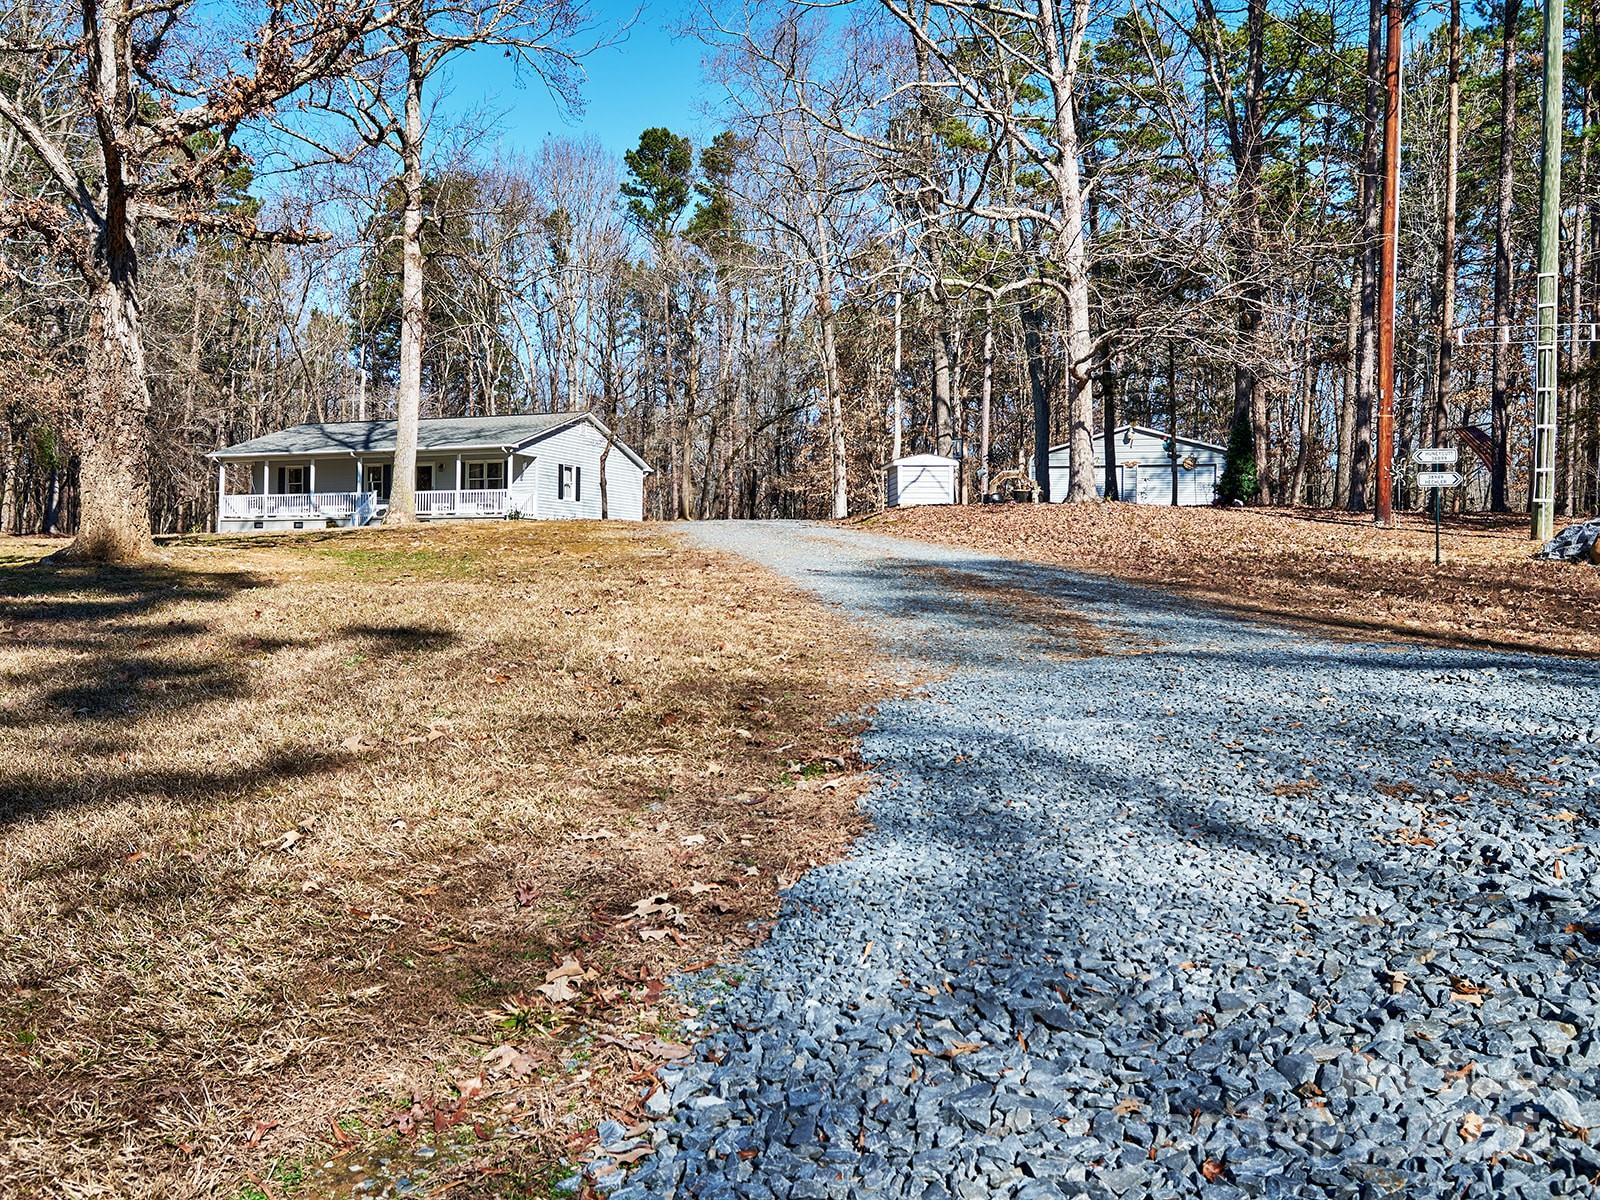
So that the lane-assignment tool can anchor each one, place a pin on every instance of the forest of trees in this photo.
(979, 228)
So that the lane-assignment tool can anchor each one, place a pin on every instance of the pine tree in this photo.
(1241, 481)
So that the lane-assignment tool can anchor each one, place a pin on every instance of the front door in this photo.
(380, 479)
(425, 478)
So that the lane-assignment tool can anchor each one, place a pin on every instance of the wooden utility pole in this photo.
(1544, 393)
(1384, 454)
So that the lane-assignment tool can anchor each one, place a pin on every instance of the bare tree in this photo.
(386, 108)
(163, 125)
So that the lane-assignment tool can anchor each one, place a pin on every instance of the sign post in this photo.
(1436, 481)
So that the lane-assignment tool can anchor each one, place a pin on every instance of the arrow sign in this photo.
(1439, 479)
(1441, 456)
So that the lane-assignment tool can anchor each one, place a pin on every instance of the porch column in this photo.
(222, 491)
(311, 476)
(266, 476)
(458, 479)
(361, 478)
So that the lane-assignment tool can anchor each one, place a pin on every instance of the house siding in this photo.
(1144, 472)
(581, 445)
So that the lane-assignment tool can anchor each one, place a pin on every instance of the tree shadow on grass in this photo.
(106, 651)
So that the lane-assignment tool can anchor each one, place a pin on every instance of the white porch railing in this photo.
(478, 502)
(312, 505)
(364, 506)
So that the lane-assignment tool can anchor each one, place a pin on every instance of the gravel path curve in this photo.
(1161, 903)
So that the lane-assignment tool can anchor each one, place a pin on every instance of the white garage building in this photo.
(1144, 467)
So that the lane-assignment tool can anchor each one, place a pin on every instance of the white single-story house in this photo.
(920, 479)
(539, 466)
(1144, 467)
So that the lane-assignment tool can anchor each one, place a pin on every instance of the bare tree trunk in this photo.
(691, 408)
(114, 475)
(1072, 252)
(943, 407)
(1500, 387)
(1371, 219)
(1108, 423)
(408, 398)
(1039, 395)
(985, 400)
(1447, 246)
(1346, 432)
(895, 450)
(837, 459)
(1249, 389)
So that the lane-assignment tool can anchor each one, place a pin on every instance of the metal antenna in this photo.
(1544, 394)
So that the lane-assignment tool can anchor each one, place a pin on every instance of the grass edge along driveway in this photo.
(326, 848)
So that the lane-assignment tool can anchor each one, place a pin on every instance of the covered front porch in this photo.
(331, 491)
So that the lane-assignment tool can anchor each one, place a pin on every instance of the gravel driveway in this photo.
(1160, 903)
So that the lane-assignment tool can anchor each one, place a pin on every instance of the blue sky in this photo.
(652, 77)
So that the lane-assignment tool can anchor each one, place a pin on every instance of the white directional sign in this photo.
(1434, 456)
(1439, 479)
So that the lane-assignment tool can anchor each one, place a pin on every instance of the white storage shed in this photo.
(920, 479)
(1144, 467)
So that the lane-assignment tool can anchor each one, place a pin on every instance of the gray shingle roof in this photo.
(377, 437)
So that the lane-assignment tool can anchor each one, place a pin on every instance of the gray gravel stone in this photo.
(1207, 897)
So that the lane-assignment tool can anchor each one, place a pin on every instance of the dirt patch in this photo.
(1330, 570)
(1063, 632)
(331, 849)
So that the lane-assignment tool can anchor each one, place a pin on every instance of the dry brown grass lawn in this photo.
(296, 829)
(1332, 569)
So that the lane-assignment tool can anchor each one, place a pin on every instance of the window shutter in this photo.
(577, 483)
(561, 482)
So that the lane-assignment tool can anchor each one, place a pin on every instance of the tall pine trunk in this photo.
(1447, 247)
(1500, 386)
(1249, 389)
(1371, 218)
(1346, 424)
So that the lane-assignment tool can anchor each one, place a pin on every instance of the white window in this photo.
(291, 481)
(569, 482)
(486, 475)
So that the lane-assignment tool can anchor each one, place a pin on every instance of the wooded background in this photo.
(1013, 225)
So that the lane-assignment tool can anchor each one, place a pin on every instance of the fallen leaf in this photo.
(654, 935)
(1212, 1170)
(508, 1060)
(699, 889)
(286, 841)
(693, 839)
(561, 983)
(652, 906)
(595, 835)
(1468, 993)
